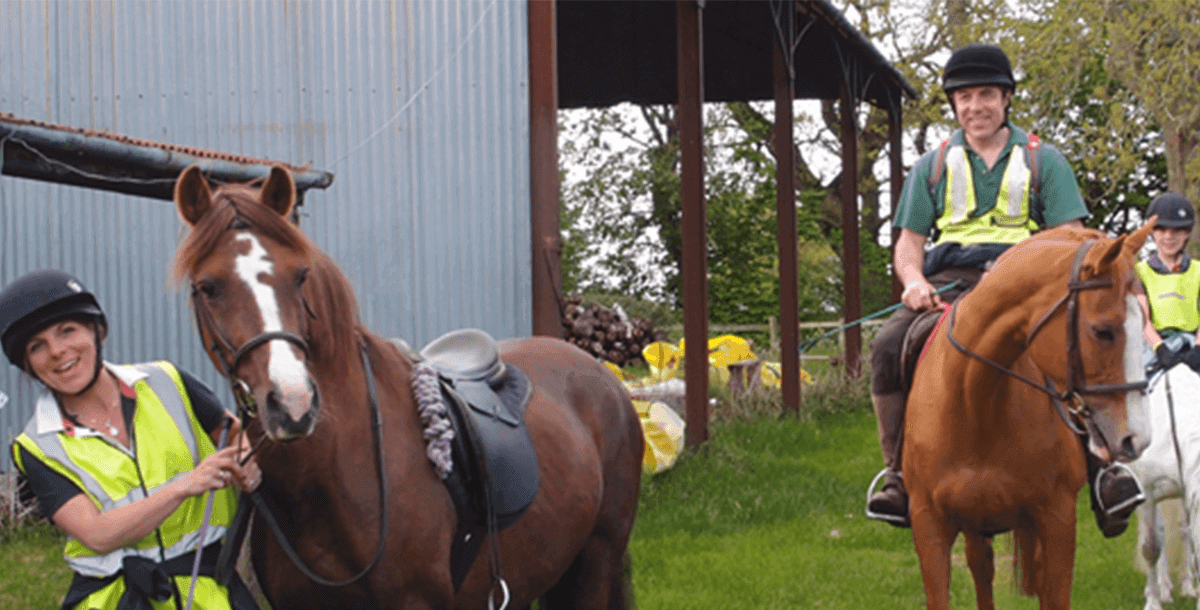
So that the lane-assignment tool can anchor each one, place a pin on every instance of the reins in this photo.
(1076, 384)
(247, 409)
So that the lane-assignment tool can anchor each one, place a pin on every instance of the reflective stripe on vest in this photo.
(1008, 222)
(111, 477)
(1173, 297)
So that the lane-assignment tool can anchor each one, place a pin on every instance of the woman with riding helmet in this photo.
(1171, 301)
(121, 457)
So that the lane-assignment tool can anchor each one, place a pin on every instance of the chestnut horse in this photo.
(1048, 345)
(294, 347)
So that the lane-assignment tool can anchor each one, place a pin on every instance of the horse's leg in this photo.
(981, 560)
(1150, 545)
(933, 536)
(1055, 532)
(588, 583)
(1187, 584)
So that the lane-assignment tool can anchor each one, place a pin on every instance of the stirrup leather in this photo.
(882, 516)
(1136, 499)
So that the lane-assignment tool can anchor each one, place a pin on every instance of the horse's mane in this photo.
(335, 328)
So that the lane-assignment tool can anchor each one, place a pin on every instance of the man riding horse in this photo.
(987, 187)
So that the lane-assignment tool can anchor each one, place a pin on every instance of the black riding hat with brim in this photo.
(1173, 211)
(976, 65)
(35, 301)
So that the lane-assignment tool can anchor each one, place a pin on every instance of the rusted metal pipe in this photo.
(73, 156)
(690, 50)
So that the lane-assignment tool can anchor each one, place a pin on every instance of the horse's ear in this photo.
(1126, 246)
(1137, 239)
(192, 197)
(279, 191)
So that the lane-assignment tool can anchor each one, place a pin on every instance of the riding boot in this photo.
(891, 499)
(1115, 496)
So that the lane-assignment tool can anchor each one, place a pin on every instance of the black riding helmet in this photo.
(977, 64)
(41, 298)
(1173, 211)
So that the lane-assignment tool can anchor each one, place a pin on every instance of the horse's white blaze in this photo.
(286, 371)
(1135, 346)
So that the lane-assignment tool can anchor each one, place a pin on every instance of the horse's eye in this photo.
(301, 275)
(1106, 334)
(210, 290)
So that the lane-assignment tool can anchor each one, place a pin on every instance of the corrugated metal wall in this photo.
(420, 108)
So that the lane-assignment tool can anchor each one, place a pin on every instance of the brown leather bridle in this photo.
(231, 357)
(1076, 383)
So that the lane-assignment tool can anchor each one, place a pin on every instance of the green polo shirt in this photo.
(1060, 199)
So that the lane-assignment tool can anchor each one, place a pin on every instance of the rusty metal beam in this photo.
(850, 256)
(543, 169)
(690, 50)
(66, 155)
(785, 202)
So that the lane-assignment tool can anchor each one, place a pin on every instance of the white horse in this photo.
(1174, 406)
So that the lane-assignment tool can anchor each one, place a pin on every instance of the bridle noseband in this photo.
(231, 358)
(1077, 385)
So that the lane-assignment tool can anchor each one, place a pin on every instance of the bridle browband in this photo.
(230, 359)
(1076, 383)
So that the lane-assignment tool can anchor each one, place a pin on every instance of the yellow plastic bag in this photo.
(663, 430)
(772, 375)
(728, 349)
(663, 359)
(616, 370)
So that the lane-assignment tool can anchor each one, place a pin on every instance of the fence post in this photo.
(773, 344)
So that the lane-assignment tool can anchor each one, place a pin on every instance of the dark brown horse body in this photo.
(985, 452)
(254, 273)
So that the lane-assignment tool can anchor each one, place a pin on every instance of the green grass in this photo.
(32, 571)
(767, 514)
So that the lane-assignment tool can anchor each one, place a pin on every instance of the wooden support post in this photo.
(850, 248)
(785, 201)
(690, 49)
(896, 161)
(543, 170)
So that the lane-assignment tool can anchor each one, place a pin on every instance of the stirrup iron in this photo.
(882, 516)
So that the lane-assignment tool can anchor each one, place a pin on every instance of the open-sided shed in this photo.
(691, 51)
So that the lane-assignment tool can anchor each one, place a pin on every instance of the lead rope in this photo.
(208, 509)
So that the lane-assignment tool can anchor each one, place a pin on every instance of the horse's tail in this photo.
(1026, 560)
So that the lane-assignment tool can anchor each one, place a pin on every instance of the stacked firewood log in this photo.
(605, 333)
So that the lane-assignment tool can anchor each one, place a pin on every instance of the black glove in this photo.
(1192, 358)
(1168, 357)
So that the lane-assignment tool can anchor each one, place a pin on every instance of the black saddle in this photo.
(495, 476)
(914, 343)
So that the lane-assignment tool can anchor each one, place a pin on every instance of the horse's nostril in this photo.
(1128, 448)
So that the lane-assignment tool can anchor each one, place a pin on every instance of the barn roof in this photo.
(612, 51)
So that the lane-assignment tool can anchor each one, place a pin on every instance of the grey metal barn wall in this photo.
(420, 109)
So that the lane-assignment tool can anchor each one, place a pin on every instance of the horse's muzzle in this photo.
(281, 424)
(1131, 446)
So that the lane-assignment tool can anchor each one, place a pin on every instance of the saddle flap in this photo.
(914, 343)
(480, 396)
